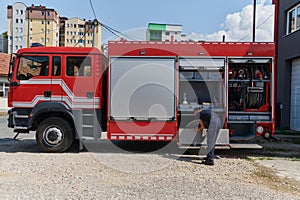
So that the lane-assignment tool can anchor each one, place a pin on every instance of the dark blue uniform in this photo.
(213, 124)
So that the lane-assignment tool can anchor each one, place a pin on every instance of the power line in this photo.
(265, 21)
(92, 6)
(108, 28)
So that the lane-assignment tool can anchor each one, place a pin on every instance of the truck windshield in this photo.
(11, 66)
(31, 66)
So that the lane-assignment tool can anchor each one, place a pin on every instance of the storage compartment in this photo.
(249, 85)
(241, 130)
(201, 84)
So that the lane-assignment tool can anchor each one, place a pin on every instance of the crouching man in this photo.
(209, 120)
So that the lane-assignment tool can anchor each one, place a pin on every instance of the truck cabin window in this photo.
(78, 66)
(32, 66)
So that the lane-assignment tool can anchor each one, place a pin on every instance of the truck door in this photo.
(32, 83)
(80, 93)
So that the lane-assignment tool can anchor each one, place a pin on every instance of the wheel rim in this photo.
(53, 136)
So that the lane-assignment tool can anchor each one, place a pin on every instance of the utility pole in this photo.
(45, 21)
(95, 31)
(254, 19)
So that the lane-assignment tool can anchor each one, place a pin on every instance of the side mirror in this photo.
(10, 75)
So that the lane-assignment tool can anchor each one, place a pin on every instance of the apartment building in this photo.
(28, 25)
(165, 33)
(3, 44)
(16, 30)
(42, 26)
(62, 22)
(80, 33)
(74, 32)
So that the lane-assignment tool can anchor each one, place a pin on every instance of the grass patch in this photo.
(278, 149)
(249, 159)
(286, 132)
(265, 158)
(295, 159)
(295, 140)
(269, 178)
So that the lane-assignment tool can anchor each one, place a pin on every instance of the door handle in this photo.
(14, 83)
(90, 95)
(47, 93)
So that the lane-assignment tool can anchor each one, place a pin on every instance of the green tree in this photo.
(5, 34)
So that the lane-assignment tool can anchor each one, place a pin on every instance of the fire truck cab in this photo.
(52, 90)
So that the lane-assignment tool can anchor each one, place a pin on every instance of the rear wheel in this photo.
(54, 135)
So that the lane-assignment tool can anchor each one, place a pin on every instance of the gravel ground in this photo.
(26, 173)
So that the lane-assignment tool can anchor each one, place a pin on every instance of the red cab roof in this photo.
(62, 50)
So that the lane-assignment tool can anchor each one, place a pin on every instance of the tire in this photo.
(54, 135)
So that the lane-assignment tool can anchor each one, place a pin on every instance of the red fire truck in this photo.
(144, 91)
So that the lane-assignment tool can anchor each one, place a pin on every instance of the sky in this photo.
(201, 19)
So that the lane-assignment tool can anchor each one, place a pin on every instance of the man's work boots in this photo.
(208, 161)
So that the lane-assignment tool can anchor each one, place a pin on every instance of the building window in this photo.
(17, 11)
(21, 11)
(293, 19)
(21, 30)
(298, 17)
(75, 25)
(43, 13)
(16, 29)
(48, 31)
(167, 33)
(21, 21)
(48, 13)
(48, 40)
(42, 40)
(42, 30)
(48, 22)
(67, 40)
(42, 21)
(17, 21)
(20, 39)
(16, 38)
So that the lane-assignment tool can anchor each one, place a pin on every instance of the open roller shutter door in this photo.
(295, 95)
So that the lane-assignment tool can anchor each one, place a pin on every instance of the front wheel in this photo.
(54, 135)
